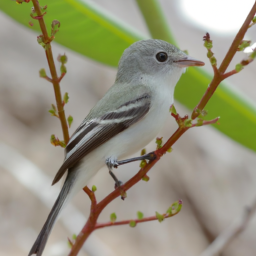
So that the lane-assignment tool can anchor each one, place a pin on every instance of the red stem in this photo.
(219, 76)
(125, 222)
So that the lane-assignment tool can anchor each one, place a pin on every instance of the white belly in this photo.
(125, 143)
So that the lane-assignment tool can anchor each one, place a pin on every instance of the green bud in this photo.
(143, 152)
(209, 54)
(42, 72)
(140, 215)
(54, 107)
(65, 98)
(186, 52)
(55, 26)
(159, 142)
(213, 61)
(169, 211)
(113, 217)
(145, 178)
(70, 120)
(173, 110)
(52, 139)
(62, 59)
(52, 112)
(143, 163)
(62, 144)
(239, 67)
(253, 55)
(200, 122)
(243, 45)
(40, 40)
(74, 236)
(188, 122)
(169, 150)
(132, 223)
(63, 69)
(175, 207)
(159, 216)
(94, 188)
(208, 45)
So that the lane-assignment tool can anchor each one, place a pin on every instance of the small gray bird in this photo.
(124, 121)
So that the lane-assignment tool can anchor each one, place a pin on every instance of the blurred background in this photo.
(213, 175)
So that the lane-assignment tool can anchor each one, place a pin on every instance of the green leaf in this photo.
(239, 67)
(62, 59)
(159, 216)
(188, 122)
(84, 25)
(42, 72)
(94, 188)
(159, 142)
(63, 69)
(74, 236)
(143, 163)
(173, 110)
(145, 178)
(140, 215)
(65, 98)
(169, 150)
(132, 223)
(143, 152)
(174, 208)
(113, 217)
(52, 112)
(70, 120)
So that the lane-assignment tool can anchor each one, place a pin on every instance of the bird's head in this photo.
(152, 57)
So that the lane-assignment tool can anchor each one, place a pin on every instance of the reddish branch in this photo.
(96, 208)
(55, 80)
(127, 222)
(219, 74)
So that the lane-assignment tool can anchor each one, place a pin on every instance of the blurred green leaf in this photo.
(113, 217)
(88, 29)
(140, 215)
(85, 27)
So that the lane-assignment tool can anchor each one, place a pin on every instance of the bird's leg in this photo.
(110, 162)
(150, 156)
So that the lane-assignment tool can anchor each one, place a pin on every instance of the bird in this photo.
(125, 120)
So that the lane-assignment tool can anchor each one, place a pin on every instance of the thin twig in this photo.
(55, 79)
(127, 222)
(220, 76)
(230, 233)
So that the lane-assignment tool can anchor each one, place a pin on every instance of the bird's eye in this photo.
(162, 56)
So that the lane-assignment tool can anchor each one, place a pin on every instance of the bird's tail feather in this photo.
(63, 197)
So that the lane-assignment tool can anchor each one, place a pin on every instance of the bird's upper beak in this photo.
(188, 62)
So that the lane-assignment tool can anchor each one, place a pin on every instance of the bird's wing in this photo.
(92, 133)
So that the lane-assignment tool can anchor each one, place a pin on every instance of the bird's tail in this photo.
(63, 197)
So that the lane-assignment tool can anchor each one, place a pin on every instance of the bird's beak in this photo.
(188, 62)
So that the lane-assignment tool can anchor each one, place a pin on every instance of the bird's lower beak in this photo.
(188, 62)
